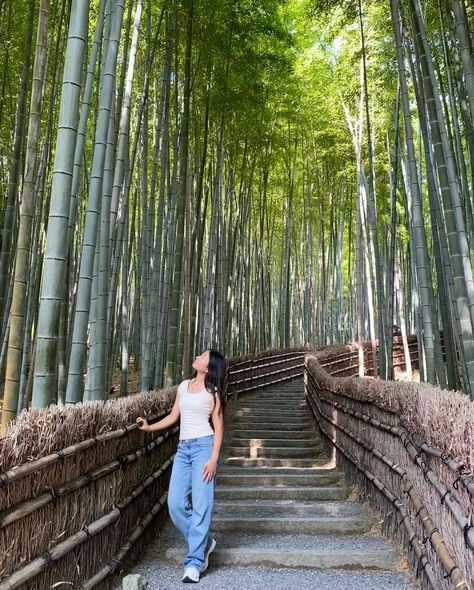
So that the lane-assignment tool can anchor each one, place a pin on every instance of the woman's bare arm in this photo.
(165, 422)
(218, 423)
(210, 467)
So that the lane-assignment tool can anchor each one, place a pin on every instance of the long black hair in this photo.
(215, 378)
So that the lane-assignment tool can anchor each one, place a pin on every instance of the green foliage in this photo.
(277, 69)
(276, 73)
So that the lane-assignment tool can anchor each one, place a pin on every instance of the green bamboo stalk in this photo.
(173, 325)
(6, 255)
(81, 318)
(57, 247)
(23, 251)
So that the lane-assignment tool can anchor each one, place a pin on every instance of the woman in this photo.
(198, 400)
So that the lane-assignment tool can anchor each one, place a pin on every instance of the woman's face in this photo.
(201, 362)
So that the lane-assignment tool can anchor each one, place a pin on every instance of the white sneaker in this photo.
(206, 555)
(191, 574)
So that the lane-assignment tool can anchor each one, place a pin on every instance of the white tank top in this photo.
(195, 410)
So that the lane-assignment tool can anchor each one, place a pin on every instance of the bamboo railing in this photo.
(421, 492)
(71, 516)
(74, 514)
(268, 368)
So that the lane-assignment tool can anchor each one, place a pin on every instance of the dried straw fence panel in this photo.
(79, 484)
(343, 360)
(409, 448)
(277, 365)
(269, 367)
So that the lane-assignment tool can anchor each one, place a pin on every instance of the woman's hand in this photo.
(209, 470)
(143, 424)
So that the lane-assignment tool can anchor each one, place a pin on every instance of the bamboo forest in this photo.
(241, 174)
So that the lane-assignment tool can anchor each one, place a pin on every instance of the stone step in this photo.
(301, 551)
(267, 396)
(280, 479)
(273, 408)
(314, 525)
(272, 492)
(270, 452)
(269, 434)
(259, 426)
(272, 405)
(270, 401)
(269, 416)
(288, 508)
(267, 403)
(237, 471)
(264, 462)
(289, 421)
(266, 411)
(297, 388)
(275, 442)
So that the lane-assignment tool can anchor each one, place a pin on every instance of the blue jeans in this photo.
(186, 483)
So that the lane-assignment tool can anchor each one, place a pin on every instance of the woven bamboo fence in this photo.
(79, 486)
(343, 360)
(409, 449)
(82, 489)
(267, 368)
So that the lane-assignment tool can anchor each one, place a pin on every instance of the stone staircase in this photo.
(279, 503)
